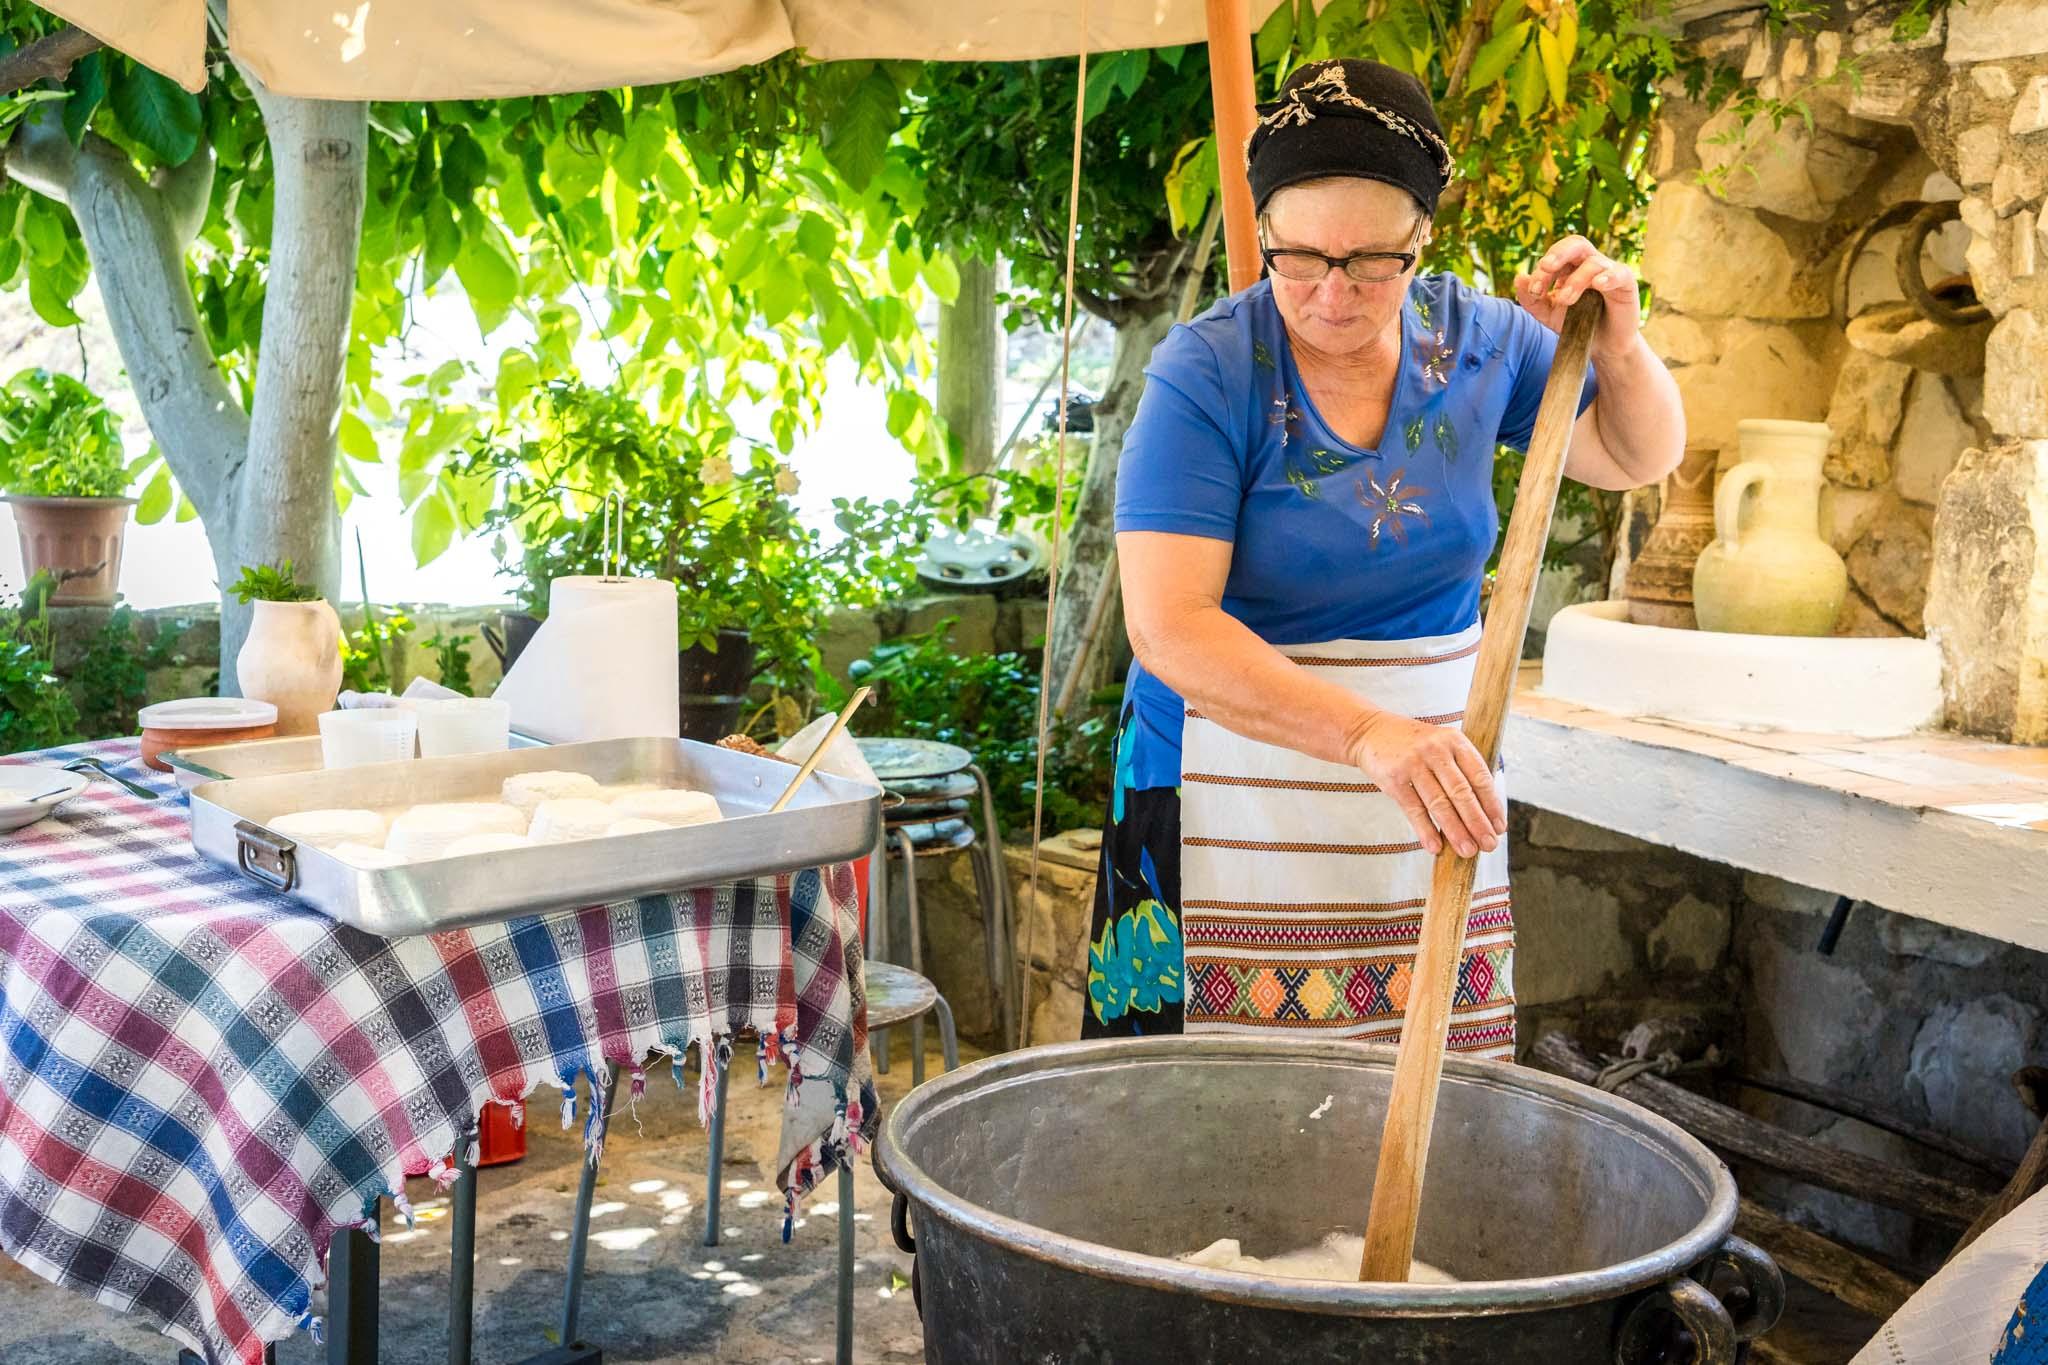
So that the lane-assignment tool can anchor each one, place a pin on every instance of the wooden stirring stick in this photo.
(803, 774)
(1418, 1068)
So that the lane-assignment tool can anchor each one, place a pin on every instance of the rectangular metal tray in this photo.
(832, 819)
(263, 758)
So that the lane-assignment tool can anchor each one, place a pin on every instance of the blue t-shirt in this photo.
(1330, 541)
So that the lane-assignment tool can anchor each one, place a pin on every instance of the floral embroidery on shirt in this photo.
(1262, 357)
(1412, 433)
(1391, 504)
(1436, 360)
(1446, 436)
(1283, 414)
(1303, 484)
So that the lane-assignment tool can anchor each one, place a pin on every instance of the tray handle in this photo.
(266, 858)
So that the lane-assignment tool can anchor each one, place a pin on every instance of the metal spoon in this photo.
(93, 767)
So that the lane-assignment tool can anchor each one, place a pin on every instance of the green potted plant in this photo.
(292, 655)
(61, 468)
(752, 582)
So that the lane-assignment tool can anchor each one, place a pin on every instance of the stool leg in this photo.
(714, 1184)
(1000, 914)
(916, 950)
(845, 1352)
(579, 1238)
(462, 1258)
(949, 1044)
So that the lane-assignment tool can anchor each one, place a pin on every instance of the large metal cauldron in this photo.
(1049, 1190)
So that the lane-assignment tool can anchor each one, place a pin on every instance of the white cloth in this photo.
(1303, 886)
(1957, 1317)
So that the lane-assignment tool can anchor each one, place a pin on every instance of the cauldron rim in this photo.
(1466, 1298)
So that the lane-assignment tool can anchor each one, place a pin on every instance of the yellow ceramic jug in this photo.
(1769, 571)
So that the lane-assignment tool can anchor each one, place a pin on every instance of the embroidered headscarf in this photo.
(1349, 118)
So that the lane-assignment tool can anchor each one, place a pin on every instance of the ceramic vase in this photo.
(1659, 586)
(1769, 570)
(292, 659)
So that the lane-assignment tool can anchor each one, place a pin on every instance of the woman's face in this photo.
(1338, 315)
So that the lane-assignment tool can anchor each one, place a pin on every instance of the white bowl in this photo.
(54, 786)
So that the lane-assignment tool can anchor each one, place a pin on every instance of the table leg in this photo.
(579, 1239)
(846, 1226)
(462, 1258)
(714, 1184)
(1002, 932)
(352, 1299)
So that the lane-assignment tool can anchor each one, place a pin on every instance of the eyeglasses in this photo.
(1366, 267)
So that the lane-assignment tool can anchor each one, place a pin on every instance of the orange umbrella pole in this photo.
(1230, 87)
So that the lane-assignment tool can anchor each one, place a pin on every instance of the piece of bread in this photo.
(330, 828)
(669, 807)
(568, 818)
(428, 831)
(527, 790)
(634, 825)
(365, 857)
(487, 843)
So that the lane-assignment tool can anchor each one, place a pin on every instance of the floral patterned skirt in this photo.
(1136, 978)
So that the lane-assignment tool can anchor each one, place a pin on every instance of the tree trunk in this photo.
(263, 483)
(1092, 542)
(284, 496)
(971, 365)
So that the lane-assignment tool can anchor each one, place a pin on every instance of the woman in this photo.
(1304, 514)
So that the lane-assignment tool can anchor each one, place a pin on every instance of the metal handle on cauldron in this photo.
(1746, 1280)
(899, 1225)
(495, 640)
(1645, 1334)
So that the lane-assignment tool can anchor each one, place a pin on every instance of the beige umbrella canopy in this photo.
(454, 49)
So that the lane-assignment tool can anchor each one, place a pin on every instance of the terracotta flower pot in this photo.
(292, 659)
(80, 537)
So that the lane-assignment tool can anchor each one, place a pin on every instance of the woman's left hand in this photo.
(1575, 267)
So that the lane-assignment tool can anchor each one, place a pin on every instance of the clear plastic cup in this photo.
(465, 725)
(349, 739)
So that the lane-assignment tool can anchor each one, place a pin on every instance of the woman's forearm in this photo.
(1638, 416)
(1245, 685)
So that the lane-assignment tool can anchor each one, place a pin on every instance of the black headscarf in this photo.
(1349, 118)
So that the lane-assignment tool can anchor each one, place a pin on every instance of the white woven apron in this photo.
(1303, 885)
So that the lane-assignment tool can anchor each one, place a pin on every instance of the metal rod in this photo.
(714, 1187)
(810, 765)
(586, 1191)
(462, 1258)
(352, 1298)
(846, 1227)
(1831, 934)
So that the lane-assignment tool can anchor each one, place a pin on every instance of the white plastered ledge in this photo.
(1939, 827)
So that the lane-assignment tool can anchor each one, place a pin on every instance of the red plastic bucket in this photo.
(860, 883)
(499, 1140)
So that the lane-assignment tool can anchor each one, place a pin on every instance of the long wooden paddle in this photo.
(1411, 1109)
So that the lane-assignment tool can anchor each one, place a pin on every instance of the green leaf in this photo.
(356, 440)
(1527, 89)
(444, 243)
(905, 406)
(158, 113)
(857, 133)
(464, 167)
(156, 498)
(1275, 36)
(816, 238)
(943, 276)
(51, 302)
(780, 293)
(1555, 67)
(433, 528)
(518, 372)
(1492, 59)
(88, 86)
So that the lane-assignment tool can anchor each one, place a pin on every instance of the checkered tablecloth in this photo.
(201, 1081)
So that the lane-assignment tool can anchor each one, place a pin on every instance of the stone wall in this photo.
(1935, 482)
(182, 644)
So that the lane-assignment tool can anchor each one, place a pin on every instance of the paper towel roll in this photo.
(602, 666)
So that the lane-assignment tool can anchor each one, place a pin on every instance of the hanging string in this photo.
(1059, 489)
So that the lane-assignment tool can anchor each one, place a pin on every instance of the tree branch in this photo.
(139, 264)
(187, 191)
(49, 58)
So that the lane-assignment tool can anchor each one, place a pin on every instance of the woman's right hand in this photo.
(1436, 777)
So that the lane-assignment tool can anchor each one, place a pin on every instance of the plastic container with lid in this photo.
(196, 721)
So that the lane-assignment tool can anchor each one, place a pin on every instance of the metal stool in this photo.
(937, 784)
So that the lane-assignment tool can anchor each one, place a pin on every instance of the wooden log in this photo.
(1854, 1279)
(1982, 1164)
(1738, 1134)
